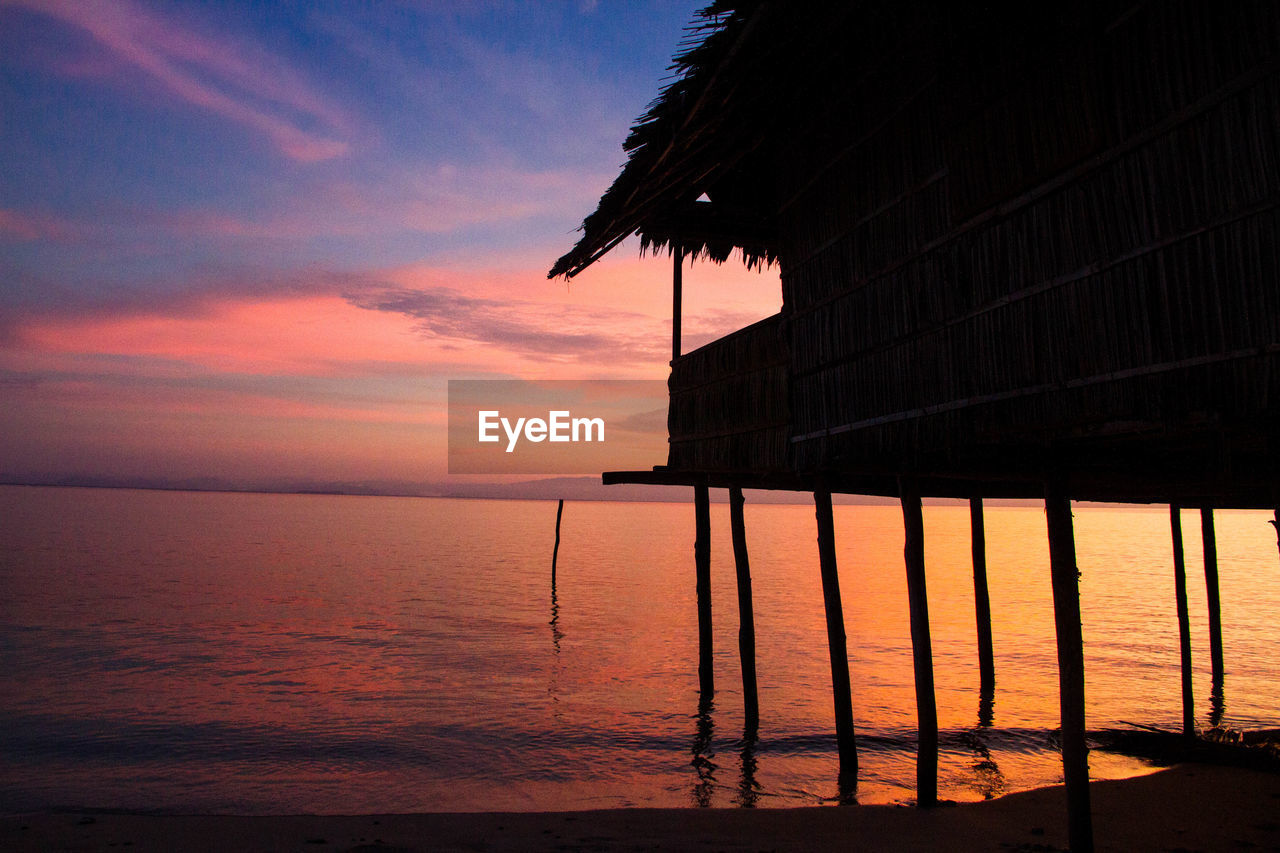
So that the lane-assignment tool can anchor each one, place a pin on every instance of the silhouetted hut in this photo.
(1026, 249)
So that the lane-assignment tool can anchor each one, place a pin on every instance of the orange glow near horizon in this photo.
(311, 334)
(321, 378)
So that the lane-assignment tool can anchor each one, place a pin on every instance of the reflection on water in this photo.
(553, 683)
(705, 768)
(556, 634)
(847, 787)
(1217, 703)
(748, 788)
(289, 653)
(987, 778)
(986, 706)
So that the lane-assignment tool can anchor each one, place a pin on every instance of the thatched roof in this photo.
(699, 136)
(750, 76)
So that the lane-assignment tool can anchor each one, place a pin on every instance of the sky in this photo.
(249, 243)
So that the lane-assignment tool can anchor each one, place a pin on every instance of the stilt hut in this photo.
(1026, 250)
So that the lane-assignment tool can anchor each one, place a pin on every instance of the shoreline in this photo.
(1188, 807)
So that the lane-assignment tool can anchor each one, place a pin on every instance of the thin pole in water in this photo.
(1211, 589)
(702, 560)
(846, 742)
(1065, 579)
(1184, 625)
(982, 599)
(921, 646)
(1276, 524)
(555, 554)
(746, 616)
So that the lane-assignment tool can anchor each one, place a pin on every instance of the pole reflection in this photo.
(704, 728)
(847, 788)
(556, 634)
(748, 787)
(987, 778)
(986, 706)
(1217, 703)
(553, 682)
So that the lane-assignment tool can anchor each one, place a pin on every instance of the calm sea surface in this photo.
(286, 653)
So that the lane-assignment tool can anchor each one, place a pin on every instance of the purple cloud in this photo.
(233, 80)
(26, 227)
(541, 330)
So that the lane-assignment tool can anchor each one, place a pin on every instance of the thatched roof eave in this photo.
(678, 150)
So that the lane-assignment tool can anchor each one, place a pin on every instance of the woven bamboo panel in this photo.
(728, 407)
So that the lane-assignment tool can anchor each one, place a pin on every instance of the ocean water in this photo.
(193, 652)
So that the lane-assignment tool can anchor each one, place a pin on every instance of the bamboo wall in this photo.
(1069, 245)
(728, 409)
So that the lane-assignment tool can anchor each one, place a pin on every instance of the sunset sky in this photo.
(251, 242)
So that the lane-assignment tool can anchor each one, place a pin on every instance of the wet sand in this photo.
(1190, 807)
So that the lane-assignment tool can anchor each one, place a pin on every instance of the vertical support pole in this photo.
(1211, 589)
(746, 615)
(555, 553)
(1066, 618)
(1184, 623)
(702, 561)
(981, 598)
(1275, 522)
(845, 740)
(921, 646)
(677, 286)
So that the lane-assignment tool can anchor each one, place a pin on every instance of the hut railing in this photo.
(729, 402)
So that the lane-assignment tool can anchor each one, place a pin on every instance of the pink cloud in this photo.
(495, 315)
(612, 321)
(16, 225)
(235, 81)
(280, 335)
(287, 386)
(428, 331)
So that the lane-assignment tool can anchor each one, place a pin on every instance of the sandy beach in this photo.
(1189, 807)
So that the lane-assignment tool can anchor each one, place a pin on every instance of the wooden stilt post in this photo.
(921, 647)
(1066, 617)
(1211, 590)
(677, 286)
(555, 553)
(845, 740)
(981, 598)
(1275, 522)
(1184, 624)
(746, 616)
(702, 559)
